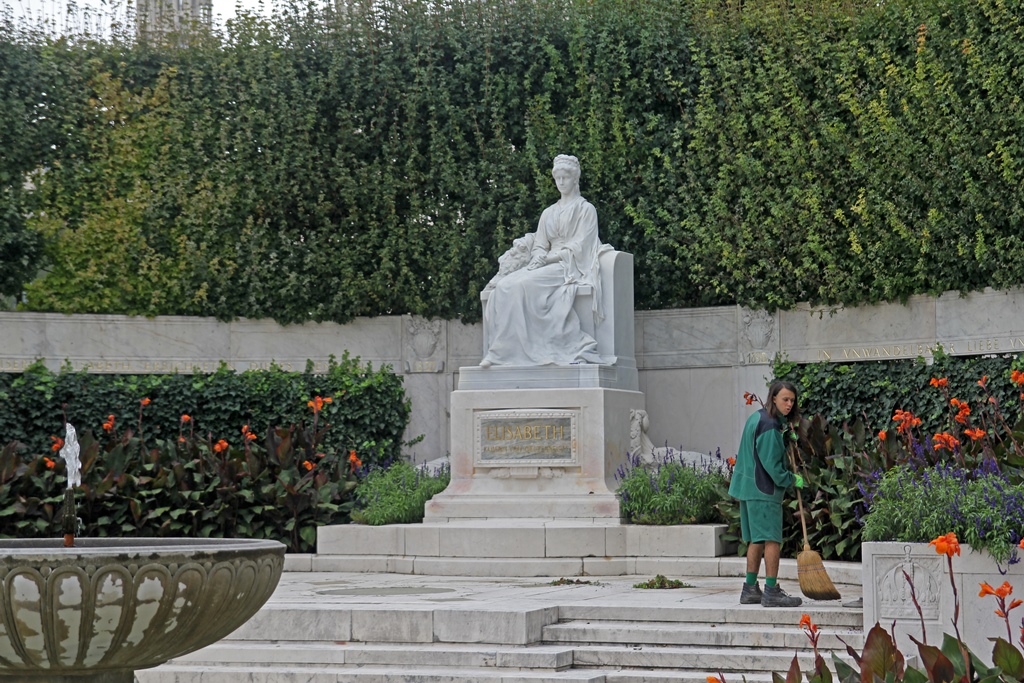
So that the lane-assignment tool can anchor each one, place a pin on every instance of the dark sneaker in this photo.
(751, 594)
(774, 596)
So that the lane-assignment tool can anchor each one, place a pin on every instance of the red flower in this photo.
(946, 545)
(108, 426)
(49, 463)
(58, 443)
(186, 418)
(145, 402)
(353, 461)
(307, 464)
(975, 434)
(1017, 377)
(945, 440)
(939, 382)
(983, 381)
(749, 397)
(731, 461)
(247, 435)
(220, 446)
(317, 404)
(882, 435)
(906, 421)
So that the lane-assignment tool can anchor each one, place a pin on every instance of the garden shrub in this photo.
(396, 494)
(858, 430)
(670, 491)
(279, 485)
(322, 163)
(983, 507)
(369, 411)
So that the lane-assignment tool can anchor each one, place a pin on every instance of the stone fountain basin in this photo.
(109, 606)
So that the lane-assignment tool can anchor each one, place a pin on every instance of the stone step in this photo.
(293, 674)
(827, 615)
(258, 654)
(697, 634)
(176, 673)
(736, 660)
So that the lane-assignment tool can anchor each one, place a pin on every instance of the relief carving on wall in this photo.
(422, 339)
(893, 595)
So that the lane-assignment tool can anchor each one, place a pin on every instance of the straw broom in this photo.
(814, 582)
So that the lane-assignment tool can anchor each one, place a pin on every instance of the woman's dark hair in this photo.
(773, 391)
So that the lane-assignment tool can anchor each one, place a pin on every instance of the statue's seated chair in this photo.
(614, 334)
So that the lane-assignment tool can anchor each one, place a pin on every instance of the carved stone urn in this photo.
(96, 612)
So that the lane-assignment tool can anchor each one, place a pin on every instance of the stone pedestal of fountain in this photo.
(98, 611)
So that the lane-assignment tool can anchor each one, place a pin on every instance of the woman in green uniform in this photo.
(758, 481)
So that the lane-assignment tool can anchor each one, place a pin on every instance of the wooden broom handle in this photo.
(799, 499)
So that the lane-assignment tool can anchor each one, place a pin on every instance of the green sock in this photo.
(771, 580)
(751, 578)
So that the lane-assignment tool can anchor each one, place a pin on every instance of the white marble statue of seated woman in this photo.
(529, 318)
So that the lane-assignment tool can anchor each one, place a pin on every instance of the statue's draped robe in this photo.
(529, 317)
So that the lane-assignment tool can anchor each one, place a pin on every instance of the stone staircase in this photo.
(566, 641)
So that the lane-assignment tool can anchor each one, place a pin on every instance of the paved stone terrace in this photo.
(384, 628)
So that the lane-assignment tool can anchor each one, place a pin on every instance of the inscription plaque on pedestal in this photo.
(525, 437)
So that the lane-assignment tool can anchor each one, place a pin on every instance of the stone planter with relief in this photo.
(887, 596)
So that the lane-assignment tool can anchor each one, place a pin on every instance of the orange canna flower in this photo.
(186, 418)
(1017, 377)
(939, 382)
(986, 590)
(975, 434)
(108, 426)
(247, 435)
(947, 545)
(307, 464)
(181, 439)
(220, 446)
(49, 463)
(749, 397)
(906, 421)
(714, 679)
(353, 461)
(731, 461)
(145, 401)
(945, 440)
(882, 434)
(983, 381)
(317, 404)
(58, 443)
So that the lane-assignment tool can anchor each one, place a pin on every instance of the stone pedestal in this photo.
(536, 453)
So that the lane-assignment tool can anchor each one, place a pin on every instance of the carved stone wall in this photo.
(693, 364)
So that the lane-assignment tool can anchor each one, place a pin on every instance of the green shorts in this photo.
(760, 521)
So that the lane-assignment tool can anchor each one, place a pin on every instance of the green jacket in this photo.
(761, 471)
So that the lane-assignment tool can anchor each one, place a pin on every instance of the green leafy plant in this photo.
(573, 582)
(396, 494)
(660, 582)
(280, 486)
(369, 411)
(863, 152)
(669, 491)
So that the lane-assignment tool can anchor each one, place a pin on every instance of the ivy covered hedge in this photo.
(870, 391)
(368, 411)
(327, 164)
(258, 454)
